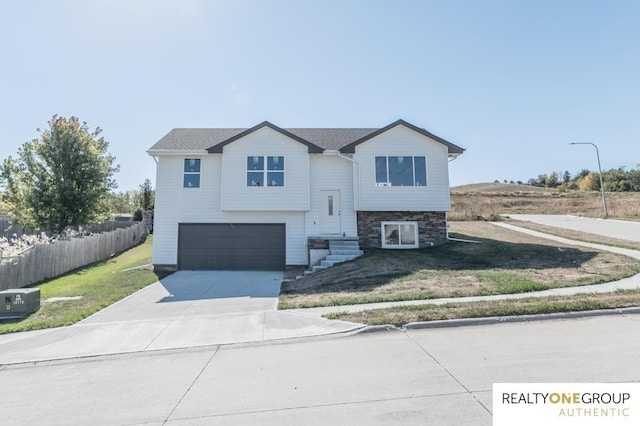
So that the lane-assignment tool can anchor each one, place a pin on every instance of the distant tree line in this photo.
(614, 180)
(133, 202)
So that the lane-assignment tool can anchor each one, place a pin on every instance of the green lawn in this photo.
(99, 285)
(530, 306)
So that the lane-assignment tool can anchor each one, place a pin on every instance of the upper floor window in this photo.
(401, 171)
(265, 170)
(191, 173)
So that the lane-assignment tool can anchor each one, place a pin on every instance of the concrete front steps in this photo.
(339, 251)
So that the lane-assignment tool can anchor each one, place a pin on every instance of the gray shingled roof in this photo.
(325, 138)
(331, 138)
(201, 139)
(193, 139)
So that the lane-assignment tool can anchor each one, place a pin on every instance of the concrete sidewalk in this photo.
(630, 283)
(620, 229)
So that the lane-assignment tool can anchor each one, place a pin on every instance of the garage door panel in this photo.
(231, 246)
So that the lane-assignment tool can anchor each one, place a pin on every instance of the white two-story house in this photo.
(267, 197)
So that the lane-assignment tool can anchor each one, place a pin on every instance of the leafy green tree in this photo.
(145, 198)
(137, 215)
(582, 173)
(542, 180)
(61, 179)
(552, 180)
(3, 209)
(122, 202)
(591, 182)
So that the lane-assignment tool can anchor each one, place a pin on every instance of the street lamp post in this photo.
(604, 200)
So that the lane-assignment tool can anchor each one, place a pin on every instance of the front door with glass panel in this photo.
(330, 212)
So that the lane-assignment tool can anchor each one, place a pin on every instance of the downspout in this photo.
(459, 240)
(356, 183)
(344, 157)
(339, 154)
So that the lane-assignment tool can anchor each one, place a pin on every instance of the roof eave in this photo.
(452, 148)
(155, 152)
(218, 148)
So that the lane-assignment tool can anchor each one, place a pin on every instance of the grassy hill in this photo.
(498, 187)
(487, 201)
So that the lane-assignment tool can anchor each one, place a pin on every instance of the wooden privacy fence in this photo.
(45, 261)
(9, 230)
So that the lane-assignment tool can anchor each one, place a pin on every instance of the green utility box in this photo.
(19, 302)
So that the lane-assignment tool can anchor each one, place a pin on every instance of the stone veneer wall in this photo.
(318, 243)
(432, 226)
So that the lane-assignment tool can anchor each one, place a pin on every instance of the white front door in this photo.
(331, 212)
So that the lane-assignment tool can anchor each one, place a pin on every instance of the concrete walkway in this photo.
(612, 228)
(630, 283)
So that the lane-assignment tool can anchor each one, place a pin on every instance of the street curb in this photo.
(518, 318)
(378, 328)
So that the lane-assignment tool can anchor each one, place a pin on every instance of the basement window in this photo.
(399, 235)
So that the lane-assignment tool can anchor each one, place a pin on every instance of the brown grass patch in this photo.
(505, 262)
(489, 201)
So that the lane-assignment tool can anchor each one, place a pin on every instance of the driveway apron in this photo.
(185, 309)
(189, 294)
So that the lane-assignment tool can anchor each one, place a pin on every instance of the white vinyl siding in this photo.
(175, 204)
(330, 172)
(402, 141)
(224, 197)
(265, 143)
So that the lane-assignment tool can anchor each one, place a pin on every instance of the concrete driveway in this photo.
(621, 229)
(186, 309)
(194, 294)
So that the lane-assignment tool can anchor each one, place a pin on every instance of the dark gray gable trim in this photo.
(217, 149)
(351, 148)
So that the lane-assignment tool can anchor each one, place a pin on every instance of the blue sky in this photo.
(513, 82)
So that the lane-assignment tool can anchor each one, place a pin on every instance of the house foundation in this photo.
(432, 226)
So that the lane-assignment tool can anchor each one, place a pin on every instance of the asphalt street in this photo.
(415, 377)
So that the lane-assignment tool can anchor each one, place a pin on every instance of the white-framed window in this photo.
(399, 235)
(265, 170)
(401, 170)
(191, 173)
